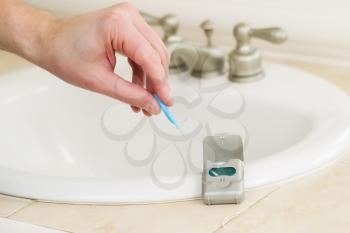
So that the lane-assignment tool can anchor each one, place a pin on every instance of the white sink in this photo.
(64, 144)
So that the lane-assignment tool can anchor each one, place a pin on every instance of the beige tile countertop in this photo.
(317, 203)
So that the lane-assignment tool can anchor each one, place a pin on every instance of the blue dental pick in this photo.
(166, 111)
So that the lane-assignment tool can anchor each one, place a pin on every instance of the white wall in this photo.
(315, 27)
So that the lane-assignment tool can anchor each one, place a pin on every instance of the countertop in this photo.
(317, 203)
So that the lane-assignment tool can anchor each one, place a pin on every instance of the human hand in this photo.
(81, 51)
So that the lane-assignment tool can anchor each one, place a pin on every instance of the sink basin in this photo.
(64, 144)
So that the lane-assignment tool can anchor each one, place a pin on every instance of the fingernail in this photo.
(146, 113)
(169, 97)
(171, 101)
(135, 109)
(156, 110)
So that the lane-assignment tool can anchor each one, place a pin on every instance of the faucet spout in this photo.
(169, 24)
(183, 57)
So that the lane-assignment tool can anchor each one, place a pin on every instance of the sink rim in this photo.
(97, 188)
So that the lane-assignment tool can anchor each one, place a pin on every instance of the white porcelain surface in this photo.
(65, 144)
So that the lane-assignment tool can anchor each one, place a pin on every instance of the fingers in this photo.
(153, 38)
(133, 94)
(132, 43)
(138, 77)
(135, 109)
(147, 31)
(163, 92)
(161, 88)
(146, 113)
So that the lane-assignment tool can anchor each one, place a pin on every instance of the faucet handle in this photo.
(245, 61)
(243, 33)
(274, 35)
(208, 28)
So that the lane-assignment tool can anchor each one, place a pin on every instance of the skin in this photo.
(81, 50)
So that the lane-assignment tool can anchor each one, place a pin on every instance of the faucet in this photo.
(245, 61)
(169, 24)
(211, 60)
(182, 56)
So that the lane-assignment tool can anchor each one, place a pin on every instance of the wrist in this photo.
(25, 30)
(34, 40)
(37, 50)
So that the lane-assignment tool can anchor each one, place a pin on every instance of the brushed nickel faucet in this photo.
(244, 62)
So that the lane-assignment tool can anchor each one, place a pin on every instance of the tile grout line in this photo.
(20, 209)
(229, 218)
(28, 205)
(54, 228)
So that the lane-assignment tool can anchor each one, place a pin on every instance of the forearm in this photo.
(23, 29)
